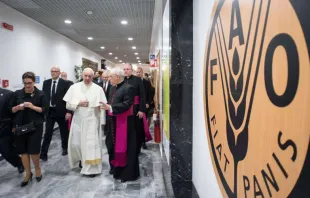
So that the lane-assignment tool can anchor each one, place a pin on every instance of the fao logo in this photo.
(257, 97)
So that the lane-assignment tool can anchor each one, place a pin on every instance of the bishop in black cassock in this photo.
(121, 137)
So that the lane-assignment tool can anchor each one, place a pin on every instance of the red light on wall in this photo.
(7, 26)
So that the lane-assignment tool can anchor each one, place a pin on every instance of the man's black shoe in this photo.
(64, 152)
(43, 157)
(20, 168)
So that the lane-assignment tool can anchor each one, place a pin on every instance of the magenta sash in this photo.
(120, 148)
(148, 136)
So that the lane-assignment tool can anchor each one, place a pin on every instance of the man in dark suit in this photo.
(106, 85)
(7, 148)
(65, 77)
(147, 91)
(55, 89)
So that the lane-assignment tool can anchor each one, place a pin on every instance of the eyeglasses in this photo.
(55, 71)
(27, 83)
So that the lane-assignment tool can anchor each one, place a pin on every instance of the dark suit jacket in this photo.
(5, 113)
(61, 90)
(147, 91)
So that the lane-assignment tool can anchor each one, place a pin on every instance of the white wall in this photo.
(203, 173)
(34, 47)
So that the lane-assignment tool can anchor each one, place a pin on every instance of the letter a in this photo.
(238, 31)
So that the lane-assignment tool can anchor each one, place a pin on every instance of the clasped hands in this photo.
(83, 103)
(24, 105)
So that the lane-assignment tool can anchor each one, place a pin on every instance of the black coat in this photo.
(61, 90)
(37, 99)
(138, 90)
(147, 91)
(5, 113)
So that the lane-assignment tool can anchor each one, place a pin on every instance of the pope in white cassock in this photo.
(85, 138)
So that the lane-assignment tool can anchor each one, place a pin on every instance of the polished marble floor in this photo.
(59, 181)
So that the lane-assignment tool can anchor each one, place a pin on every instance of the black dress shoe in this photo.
(92, 175)
(20, 168)
(144, 146)
(64, 152)
(25, 183)
(43, 157)
(80, 165)
(39, 178)
(111, 172)
(123, 180)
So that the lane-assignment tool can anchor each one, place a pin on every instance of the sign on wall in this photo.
(257, 102)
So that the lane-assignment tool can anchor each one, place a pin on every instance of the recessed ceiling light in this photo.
(140, 63)
(130, 39)
(68, 21)
(89, 12)
(134, 47)
(110, 53)
(102, 47)
(124, 22)
(125, 55)
(90, 38)
(136, 53)
(116, 57)
(120, 61)
(123, 63)
(138, 57)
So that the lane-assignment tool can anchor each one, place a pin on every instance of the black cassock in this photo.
(121, 100)
(7, 148)
(138, 91)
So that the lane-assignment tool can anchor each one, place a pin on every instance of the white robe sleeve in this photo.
(71, 103)
(102, 111)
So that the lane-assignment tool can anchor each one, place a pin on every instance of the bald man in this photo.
(64, 76)
(85, 137)
(55, 89)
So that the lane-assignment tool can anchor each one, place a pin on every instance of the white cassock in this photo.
(85, 138)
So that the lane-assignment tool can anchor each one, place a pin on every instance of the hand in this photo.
(105, 106)
(28, 105)
(68, 116)
(19, 107)
(147, 106)
(83, 103)
(140, 114)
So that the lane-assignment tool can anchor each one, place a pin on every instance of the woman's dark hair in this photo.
(30, 75)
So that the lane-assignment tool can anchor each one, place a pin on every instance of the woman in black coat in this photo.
(29, 106)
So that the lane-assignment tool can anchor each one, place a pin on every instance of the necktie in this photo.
(53, 99)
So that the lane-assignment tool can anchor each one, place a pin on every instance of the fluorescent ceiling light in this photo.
(134, 47)
(138, 57)
(89, 12)
(136, 53)
(116, 57)
(124, 22)
(120, 61)
(130, 39)
(140, 63)
(110, 53)
(102, 47)
(68, 21)
(90, 38)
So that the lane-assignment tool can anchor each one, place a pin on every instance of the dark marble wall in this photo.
(181, 94)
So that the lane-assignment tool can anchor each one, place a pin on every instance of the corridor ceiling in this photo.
(104, 24)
